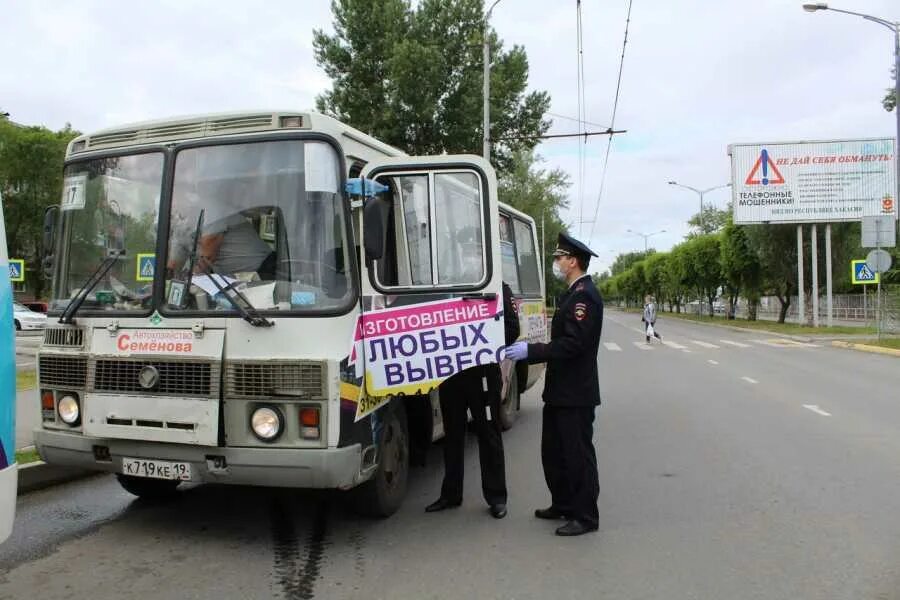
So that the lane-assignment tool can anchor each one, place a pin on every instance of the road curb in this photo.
(38, 475)
(866, 348)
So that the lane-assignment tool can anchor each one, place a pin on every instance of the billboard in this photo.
(813, 182)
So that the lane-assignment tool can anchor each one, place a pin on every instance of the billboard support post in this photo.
(814, 246)
(828, 282)
(801, 309)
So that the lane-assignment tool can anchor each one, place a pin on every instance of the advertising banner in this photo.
(411, 349)
(813, 182)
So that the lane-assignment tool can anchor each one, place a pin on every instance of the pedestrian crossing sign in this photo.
(17, 270)
(146, 267)
(861, 274)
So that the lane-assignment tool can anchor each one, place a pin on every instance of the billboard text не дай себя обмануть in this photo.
(813, 182)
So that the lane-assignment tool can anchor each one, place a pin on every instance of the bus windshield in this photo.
(110, 211)
(262, 222)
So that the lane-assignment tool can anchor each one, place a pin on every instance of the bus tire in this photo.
(148, 489)
(509, 406)
(383, 494)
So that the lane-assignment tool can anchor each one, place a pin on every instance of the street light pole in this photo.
(700, 193)
(646, 236)
(486, 106)
(895, 28)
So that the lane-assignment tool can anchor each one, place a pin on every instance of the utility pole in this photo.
(486, 100)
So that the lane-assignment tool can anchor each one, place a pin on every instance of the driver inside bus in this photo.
(232, 245)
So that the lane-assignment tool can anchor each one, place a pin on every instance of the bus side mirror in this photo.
(49, 241)
(375, 221)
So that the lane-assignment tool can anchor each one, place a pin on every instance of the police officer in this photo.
(571, 392)
(478, 390)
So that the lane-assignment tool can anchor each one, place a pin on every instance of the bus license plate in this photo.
(156, 469)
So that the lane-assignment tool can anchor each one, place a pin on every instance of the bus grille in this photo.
(62, 371)
(64, 336)
(181, 378)
(262, 379)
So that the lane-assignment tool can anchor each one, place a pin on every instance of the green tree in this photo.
(703, 267)
(741, 269)
(776, 246)
(890, 97)
(676, 277)
(624, 262)
(31, 160)
(714, 221)
(655, 267)
(412, 77)
(539, 193)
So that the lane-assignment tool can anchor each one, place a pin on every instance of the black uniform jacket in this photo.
(571, 378)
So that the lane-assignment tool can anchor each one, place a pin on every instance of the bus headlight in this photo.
(267, 423)
(68, 410)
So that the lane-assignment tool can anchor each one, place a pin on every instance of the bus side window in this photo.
(529, 266)
(436, 233)
(407, 259)
(508, 256)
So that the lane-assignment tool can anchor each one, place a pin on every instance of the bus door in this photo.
(433, 302)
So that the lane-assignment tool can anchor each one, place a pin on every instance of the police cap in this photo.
(566, 245)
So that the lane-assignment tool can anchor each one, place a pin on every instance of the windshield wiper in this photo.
(249, 313)
(99, 273)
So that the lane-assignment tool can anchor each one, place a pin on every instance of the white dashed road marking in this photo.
(643, 345)
(712, 362)
(749, 380)
(815, 408)
(612, 346)
(674, 345)
(735, 344)
(704, 344)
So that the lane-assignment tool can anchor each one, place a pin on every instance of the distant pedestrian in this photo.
(649, 318)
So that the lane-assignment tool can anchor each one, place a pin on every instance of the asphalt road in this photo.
(732, 465)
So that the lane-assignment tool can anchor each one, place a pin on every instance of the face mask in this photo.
(557, 272)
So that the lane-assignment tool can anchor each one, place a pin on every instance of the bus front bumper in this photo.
(332, 468)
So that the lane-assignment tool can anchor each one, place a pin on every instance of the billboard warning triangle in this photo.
(764, 163)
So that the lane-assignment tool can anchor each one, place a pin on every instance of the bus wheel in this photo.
(509, 406)
(383, 494)
(148, 489)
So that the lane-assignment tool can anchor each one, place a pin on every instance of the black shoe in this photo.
(574, 527)
(498, 511)
(441, 504)
(550, 513)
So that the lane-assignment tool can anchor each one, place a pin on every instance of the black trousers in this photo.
(466, 391)
(570, 461)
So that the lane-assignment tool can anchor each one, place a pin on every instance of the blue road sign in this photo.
(862, 274)
(17, 269)
(146, 266)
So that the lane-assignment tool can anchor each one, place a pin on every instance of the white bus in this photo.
(270, 299)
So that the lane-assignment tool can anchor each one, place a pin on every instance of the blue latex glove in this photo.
(517, 351)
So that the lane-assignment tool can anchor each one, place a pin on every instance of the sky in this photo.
(698, 75)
